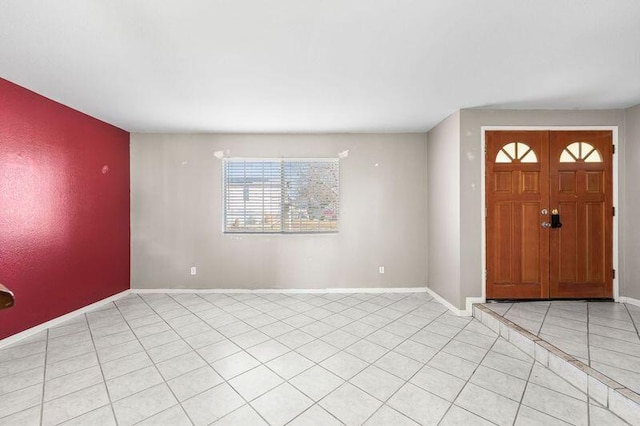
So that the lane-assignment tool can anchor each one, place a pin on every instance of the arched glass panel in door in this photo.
(580, 151)
(516, 151)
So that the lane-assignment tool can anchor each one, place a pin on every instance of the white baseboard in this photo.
(459, 312)
(629, 300)
(470, 302)
(463, 313)
(59, 320)
(445, 302)
(377, 290)
(282, 290)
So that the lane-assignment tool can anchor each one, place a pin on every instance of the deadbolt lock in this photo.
(555, 219)
(544, 212)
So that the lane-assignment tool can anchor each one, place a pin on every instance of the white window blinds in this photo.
(287, 196)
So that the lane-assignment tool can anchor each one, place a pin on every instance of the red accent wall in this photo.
(64, 208)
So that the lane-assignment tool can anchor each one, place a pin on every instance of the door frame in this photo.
(615, 184)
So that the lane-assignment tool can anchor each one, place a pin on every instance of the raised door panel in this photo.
(517, 246)
(502, 243)
(581, 251)
(594, 242)
(530, 242)
(567, 241)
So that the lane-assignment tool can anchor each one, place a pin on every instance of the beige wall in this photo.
(631, 225)
(176, 208)
(471, 157)
(176, 217)
(455, 156)
(443, 170)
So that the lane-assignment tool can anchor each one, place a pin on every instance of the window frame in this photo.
(281, 160)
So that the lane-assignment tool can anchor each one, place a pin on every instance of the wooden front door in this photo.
(531, 175)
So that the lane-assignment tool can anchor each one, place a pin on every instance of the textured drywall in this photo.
(64, 208)
(176, 214)
(631, 226)
(443, 154)
(471, 157)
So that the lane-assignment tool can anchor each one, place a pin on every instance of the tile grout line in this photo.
(15, 374)
(383, 308)
(406, 339)
(616, 339)
(339, 350)
(500, 320)
(469, 381)
(543, 320)
(360, 339)
(554, 391)
(587, 333)
(155, 366)
(289, 351)
(390, 302)
(372, 364)
(632, 320)
(588, 347)
(526, 385)
(496, 338)
(202, 358)
(508, 309)
(528, 381)
(101, 373)
(317, 403)
(95, 409)
(353, 320)
(128, 341)
(439, 351)
(84, 369)
(96, 352)
(44, 377)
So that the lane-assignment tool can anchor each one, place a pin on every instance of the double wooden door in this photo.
(549, 217)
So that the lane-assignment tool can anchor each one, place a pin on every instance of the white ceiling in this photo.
(319, 66)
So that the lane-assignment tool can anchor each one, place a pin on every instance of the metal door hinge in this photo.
(613, 149)
(486, 212)
(614, 274)
(485, 275)
(614, 210)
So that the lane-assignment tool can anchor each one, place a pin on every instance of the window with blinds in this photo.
(293, 195)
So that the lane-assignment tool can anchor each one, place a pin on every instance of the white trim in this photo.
(464, 313)
(280, 159)
(282, 290)
(470, 302)
(483, 214)
(59, 320)
(616, 184)
(629, 300)
(446, 303)
(549, 127)
(616, 204)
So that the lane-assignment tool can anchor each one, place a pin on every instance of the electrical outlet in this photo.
(381, 269)
(193, 270)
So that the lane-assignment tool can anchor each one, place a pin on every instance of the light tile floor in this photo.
(305, 359)
(603, 335)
